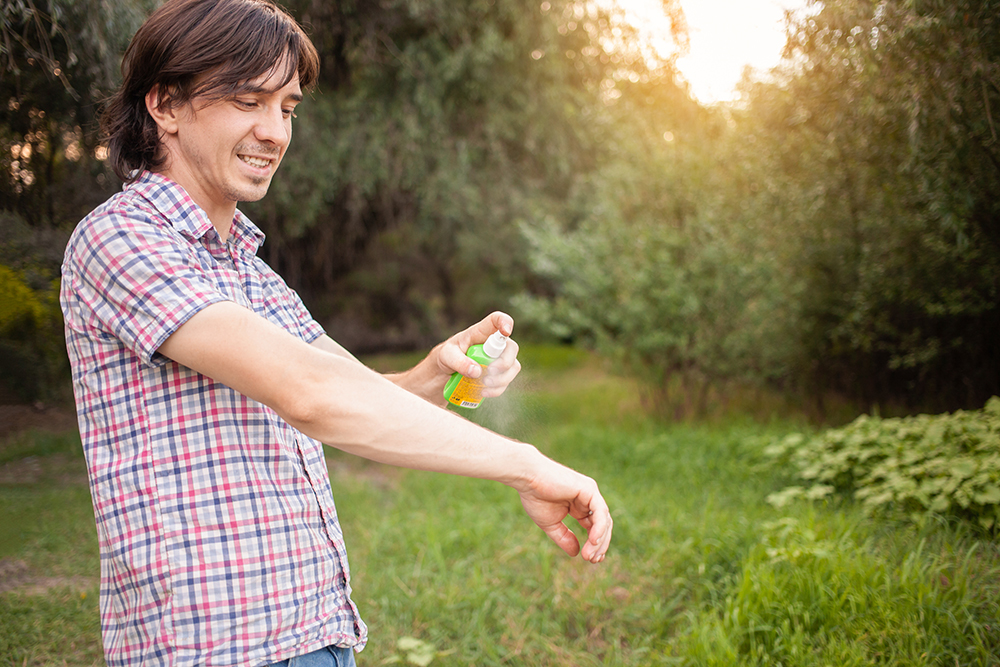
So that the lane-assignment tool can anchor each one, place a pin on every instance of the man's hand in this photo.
(558, 491)
(428, 378)
(450, 355)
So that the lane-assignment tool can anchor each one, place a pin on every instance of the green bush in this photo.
(32, 352)
(945, 464)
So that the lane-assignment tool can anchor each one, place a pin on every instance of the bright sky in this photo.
(725, 36)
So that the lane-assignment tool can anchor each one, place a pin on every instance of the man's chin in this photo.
(251, 194)
(257, 197)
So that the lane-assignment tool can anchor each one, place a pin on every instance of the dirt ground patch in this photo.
(16, 576)
(17, 418)
(62, 468)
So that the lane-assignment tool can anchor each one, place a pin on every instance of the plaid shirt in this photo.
(219, 538)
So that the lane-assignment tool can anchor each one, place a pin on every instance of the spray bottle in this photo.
(466, 392)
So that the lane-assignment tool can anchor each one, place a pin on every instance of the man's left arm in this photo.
(428, 378)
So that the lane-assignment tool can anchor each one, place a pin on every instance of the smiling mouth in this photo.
(258, 162)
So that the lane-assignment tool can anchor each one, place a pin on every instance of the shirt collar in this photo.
(172, 201)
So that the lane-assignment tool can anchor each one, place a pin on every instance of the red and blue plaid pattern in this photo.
(219, 538)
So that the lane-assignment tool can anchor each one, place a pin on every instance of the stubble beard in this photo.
(254, 192)
(259, 184)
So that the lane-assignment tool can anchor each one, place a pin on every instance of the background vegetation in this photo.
(833, 233)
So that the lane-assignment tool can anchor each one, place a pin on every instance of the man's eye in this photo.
(289, 113)
(245, 104)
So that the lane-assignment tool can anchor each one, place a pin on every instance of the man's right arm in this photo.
(337, 400)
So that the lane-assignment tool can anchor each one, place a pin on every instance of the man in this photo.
(204, 387)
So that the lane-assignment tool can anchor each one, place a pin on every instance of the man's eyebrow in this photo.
(254, 90)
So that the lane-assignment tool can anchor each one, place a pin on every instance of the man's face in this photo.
(226, 151)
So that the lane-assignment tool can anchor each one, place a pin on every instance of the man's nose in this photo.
(271, 126)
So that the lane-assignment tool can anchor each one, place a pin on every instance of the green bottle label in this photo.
(467, 392)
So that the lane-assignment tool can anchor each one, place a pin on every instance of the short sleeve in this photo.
(136, 278)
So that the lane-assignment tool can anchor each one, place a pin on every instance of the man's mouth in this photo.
(258, 162)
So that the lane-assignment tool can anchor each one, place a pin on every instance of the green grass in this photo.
(48, 554)
(702, 571)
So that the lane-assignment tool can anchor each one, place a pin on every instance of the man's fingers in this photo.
(498, 321)
(598, 527)
(598, 536)
(452, 356)
(454, 359)
(564, 537)
(481, 330)
(595, 518)
(555, 492)
(499, 375)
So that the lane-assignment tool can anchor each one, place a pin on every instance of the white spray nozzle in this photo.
(495, 344)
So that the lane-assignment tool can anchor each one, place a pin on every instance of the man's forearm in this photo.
(330, 396)
(364, 413)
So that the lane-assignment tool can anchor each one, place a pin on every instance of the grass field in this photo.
(448, 571)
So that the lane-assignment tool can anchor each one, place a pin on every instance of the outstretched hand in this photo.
(559, 492)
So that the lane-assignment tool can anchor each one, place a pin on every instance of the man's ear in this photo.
(161, 108)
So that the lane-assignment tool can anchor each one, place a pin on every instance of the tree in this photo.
(882, 149)
(53, 79)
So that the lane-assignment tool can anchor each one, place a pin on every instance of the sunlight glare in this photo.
(725, 36)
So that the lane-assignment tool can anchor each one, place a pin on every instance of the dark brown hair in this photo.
(194, 48)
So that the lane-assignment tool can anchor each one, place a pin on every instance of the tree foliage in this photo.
(58, 60)
(882, 145)
(843, 232)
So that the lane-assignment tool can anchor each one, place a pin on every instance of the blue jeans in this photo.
(331, 656)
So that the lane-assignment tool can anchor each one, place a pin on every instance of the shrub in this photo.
(32, 353)
(945, 464)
